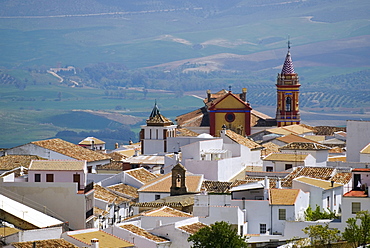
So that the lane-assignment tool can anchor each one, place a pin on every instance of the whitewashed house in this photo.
(57, 149)
(277, 162)
(138, 236)
(323, 193)
(92, 143)
(318, 151)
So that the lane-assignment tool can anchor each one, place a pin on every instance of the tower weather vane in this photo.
(289, 42)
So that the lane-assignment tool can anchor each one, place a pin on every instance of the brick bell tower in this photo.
(287, 109)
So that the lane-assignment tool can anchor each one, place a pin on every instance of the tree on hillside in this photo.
(322, 235)
(218, 235)
(357, 231)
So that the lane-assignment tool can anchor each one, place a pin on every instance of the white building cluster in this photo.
(52, 191)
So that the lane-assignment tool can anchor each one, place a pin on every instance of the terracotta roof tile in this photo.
(62, 165)
(166, 212)
(141, 174)
(106, 240)
(186, 132)
(283, 196)
(304, 146)
(328, 130)
(289, 157)
(293, 138)
(50, 243)
(316, 138)
(125, 189)
(216, 186)
(113, 165)
(142, 232)
(163, 183)
(10, 162)
(116, 156)
(242, 140)
(355, 193)
(71, 150)
(91, 140)
(105, 195)
(324, 173)
(336, 150)
(193, 228)
(269, 148)
(324, 184)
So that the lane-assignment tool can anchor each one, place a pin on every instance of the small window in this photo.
(157, 197)
(262, 228)
(335, 199)
(288, 105)
(230, 117)
(49, 178)
(269, 169)
(356, 207)
(89, 169)
(288, 166)
(328, 201)
(282, 214)
(37, 177)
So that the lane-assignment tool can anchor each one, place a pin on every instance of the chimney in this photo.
(116, 146)
(95, 243)
(208, 95)
(278, 183)
(130, 142)
(332, 184)
(243, 95)
(266, 189)
(93, 145)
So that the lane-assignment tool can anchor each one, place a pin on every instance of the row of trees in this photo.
(223, 235)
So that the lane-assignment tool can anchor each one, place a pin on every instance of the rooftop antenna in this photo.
(289, 43)
(229, 88)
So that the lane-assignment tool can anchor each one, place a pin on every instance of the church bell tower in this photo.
(287, 109)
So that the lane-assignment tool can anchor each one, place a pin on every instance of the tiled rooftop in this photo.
(178, 202)
(71, 150)
(356, 193)
(116, 156)
(105, 195)
(289, 157)
(10, 162)
(142, 232)
(216, 186)
(141, 174)
(293, 138)
(106, 240)
(186, 132)
(91, 140)
(269, 148)
(166, 212)
(57, 165)
(283, 196)
(324, 173)
(242, 140)
(316, 138)
(50, 243)
(163, 183)
(328, 130)
(304, 146)
(113, 165)
(125, 189)
(192, 228)
(324, 184)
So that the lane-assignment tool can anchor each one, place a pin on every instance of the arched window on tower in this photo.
(288, 104)
(178, 181)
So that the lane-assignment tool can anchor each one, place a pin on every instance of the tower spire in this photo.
(288, 67)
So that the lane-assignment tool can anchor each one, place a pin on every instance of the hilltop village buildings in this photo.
(222, 162)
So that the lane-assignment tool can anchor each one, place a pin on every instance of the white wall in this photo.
(347, 206)
(36, 234)
(365, 158)
(177, 236)
(59, 176)
(61, 198)
(139, 241)
(150, 196)
(32, 149)
(358, 136)
(219, 170)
